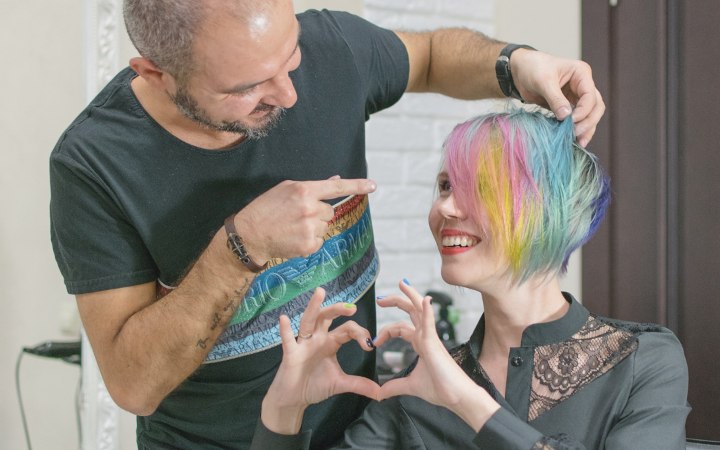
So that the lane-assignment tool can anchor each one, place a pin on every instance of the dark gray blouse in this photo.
(580, 382)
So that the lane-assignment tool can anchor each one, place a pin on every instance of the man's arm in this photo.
(461, 63)
(456, 62)
(146, 348)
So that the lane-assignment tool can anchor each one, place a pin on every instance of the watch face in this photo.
(504, 77)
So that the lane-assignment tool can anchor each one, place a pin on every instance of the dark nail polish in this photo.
(379, 297)
(369, 343)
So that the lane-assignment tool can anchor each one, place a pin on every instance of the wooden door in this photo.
(657, 256)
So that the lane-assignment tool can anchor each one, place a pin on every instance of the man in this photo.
(177, 226)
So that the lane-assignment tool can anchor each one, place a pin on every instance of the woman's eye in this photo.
(444, 186)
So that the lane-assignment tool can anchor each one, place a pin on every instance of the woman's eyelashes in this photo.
(443, 184)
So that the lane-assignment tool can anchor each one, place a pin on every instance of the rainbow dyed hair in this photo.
(535, 192)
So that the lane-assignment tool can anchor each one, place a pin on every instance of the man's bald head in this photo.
(164, 31)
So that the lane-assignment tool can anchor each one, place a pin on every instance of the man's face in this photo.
(269, 116)
(241, 80)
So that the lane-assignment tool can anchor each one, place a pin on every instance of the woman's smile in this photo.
(455, 241)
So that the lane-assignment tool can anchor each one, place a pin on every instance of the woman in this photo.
(516, 197)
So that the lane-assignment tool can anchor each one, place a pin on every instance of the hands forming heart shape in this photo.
(310, 372)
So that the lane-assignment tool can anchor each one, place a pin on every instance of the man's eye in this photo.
(244, 92)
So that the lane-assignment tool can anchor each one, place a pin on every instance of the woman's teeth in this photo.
(458, 241)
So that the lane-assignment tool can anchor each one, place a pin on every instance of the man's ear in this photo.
(152, 74)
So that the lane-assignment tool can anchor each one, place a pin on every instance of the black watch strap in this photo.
(504, 74)
(236, 244)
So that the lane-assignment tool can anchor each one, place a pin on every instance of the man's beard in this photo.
(190, 109)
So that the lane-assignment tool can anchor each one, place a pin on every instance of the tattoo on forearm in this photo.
(231, 306)
(229, 309)
(234, 303)
(242, 289)
(215, 321)
(202, 343)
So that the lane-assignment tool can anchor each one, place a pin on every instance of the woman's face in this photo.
(468, 257)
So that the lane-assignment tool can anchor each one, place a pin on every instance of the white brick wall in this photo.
(403, 146)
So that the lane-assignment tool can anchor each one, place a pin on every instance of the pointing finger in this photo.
(338, 187)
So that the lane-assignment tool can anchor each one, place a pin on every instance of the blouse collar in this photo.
(537, 334)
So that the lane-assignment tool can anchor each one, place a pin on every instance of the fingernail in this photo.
(372, 185)
(369, 343)
(563, 112)
(374, 340)
(405, 280)
(349, 305)
(379, 297)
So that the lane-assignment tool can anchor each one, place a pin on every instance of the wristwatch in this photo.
(236, 244)
(504, 74)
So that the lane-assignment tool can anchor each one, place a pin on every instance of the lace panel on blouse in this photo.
(464, 358)
(564, 368)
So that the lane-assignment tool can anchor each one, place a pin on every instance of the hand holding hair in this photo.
(565, 86)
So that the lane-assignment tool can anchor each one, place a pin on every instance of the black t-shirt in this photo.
(131, 204)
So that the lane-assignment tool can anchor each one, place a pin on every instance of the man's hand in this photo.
(460, 63)
(291, 219)
(564, 86)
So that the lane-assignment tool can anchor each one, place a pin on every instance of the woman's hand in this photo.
(309, 372)
(436, 378)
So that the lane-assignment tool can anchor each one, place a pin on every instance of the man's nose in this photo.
(283, 94)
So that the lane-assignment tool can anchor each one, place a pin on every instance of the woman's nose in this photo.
(450, 209)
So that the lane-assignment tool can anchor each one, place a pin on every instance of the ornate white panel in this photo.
(98, 413)
(103, 19)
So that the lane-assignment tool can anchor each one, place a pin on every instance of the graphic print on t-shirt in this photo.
(345, 266)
